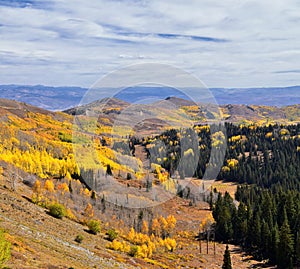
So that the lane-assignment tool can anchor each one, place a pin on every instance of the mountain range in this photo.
(62, 98)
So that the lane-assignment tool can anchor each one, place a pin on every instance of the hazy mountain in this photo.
(279, 96)
(50, 98)
(61, 98)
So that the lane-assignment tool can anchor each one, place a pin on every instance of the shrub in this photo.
(112, 234)
(79, 238)
(4, 249)
(133, 252)
(57, 210)
(94, 226)
(128, 176)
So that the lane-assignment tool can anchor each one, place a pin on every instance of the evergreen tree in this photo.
(108, 170)
(297, 249)
(227, 259)
(265, 239)
(240, 227)
(274, 244)
(286, 247)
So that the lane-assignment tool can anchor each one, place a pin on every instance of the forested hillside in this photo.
(148, 193)
(264, 217)
(267, 219)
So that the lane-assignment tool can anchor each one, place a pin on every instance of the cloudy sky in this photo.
(230, 43)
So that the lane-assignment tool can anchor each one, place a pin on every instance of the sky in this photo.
(229, 43)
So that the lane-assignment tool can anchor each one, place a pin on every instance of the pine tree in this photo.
(108, 170)
(241, 224)
(297, 249)
(227, 259)
(274, 244)
(286, 246)
(265, 239)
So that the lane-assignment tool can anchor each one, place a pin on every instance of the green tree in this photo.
(224, 213)
(227, 259)
(57, 210)
(79, 238)
(108, 170)
(241, 224)
(112, 234)
(94, 226)
(286, 247)
(274, 244)
(297, 249)
(265, 239)
(133, 251)
(4, 249)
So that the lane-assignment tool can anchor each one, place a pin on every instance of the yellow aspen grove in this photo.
(122, 246)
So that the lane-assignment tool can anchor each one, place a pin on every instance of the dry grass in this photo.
(40, 241)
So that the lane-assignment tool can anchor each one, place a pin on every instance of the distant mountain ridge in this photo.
(50, 98)
(273, 96)
(62, 98)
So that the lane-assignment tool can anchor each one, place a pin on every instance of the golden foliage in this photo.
(232, 163)
(235, 138)
(269, 134)
(145, 228)
(155, 228)
(70, 215)
(169, 244)
(218, 139)
(49, 186)
(122, 246)
(225, 169)
(37, 187)
(162, 175)
(63, 188)
(89, 211)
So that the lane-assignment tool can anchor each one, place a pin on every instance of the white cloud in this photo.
(74, 43)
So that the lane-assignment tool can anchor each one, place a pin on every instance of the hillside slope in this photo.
(41, 241)
(174, 110)
(38, 169)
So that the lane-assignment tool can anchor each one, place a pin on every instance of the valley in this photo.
(155, 186)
